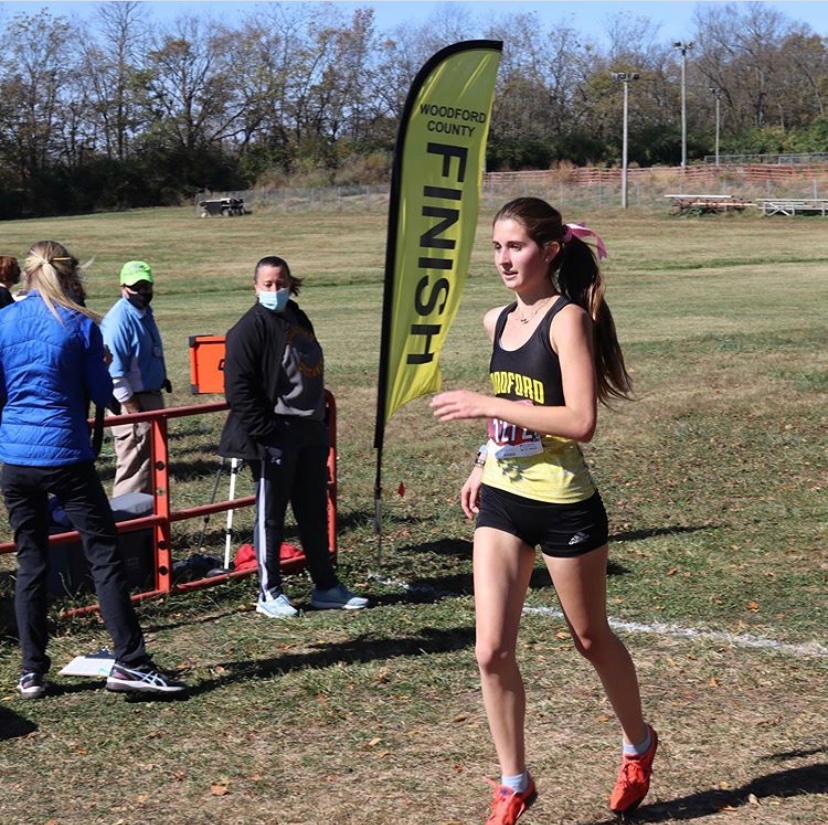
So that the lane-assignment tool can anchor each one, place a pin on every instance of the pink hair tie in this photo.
(580, 231)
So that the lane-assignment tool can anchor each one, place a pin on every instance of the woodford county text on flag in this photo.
(435, 196)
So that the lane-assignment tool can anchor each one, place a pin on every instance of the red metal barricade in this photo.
(164, 516)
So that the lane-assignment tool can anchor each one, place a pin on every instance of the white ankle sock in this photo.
(517, 783)
(641, 748)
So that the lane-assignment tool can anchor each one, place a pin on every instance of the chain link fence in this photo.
(575, 190)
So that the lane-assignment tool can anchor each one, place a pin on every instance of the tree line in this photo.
(127, 112)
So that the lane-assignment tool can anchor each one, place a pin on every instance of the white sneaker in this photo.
(337, 598)
(32, 685)
(277, 607)
(145, 678)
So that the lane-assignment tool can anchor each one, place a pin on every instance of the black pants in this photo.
(295, 473)
(79, 489)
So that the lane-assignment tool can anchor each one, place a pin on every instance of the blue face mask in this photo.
(277, 301)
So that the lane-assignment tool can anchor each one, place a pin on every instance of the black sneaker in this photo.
(145, 678)
(32, 685)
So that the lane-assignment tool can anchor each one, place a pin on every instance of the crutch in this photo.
(235, 465)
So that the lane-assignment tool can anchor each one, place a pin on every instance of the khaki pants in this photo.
(133, 449)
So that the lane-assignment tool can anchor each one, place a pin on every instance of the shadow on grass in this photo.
(435, 588)
(199, 467)
(780, 757)
(457, 548)
(353, 519)
(807, 780)
(430, 589)
(357, 518)
(654, 532)
(363, 648)
(12, 725)
(90, 685)
(417, 590)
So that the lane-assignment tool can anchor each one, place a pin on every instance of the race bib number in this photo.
(510, 441)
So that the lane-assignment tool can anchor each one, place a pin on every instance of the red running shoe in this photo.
(634, 779)
(507, 806)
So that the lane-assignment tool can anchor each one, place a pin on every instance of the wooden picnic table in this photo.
(686, 202)
(794, 206)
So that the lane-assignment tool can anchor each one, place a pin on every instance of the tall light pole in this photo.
(683, 48)
(718, 94)
(625, 78)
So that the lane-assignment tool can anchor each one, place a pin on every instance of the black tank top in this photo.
(533, 371)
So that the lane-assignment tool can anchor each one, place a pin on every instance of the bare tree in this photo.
(738, 53)
(35, 69)
(803, 76)
(186, 90)
(111, 70)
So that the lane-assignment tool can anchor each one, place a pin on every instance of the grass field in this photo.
(714, 477)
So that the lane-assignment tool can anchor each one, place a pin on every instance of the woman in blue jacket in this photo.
(52, 363)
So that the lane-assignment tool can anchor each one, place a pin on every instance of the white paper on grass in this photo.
(95, 664)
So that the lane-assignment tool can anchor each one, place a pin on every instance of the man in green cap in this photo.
(138, 374)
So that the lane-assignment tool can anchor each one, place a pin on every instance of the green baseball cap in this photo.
(134, 271)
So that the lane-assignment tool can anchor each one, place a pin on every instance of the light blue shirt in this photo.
(137, 353)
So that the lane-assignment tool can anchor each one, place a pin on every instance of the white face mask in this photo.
(277, 301)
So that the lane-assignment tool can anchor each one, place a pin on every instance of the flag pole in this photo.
(387, 309)
(378, 507)
(431, 221)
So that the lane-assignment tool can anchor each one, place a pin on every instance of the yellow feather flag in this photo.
(435, 197)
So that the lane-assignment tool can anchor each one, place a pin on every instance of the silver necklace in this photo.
(540, 306)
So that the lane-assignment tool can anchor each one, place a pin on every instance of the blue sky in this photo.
(673, 17)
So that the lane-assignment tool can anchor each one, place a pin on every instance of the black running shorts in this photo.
(561, 530)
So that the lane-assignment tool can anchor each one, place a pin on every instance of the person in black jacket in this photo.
(274, 384)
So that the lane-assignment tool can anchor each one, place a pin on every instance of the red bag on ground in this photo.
(245, 558)
(246, 555)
